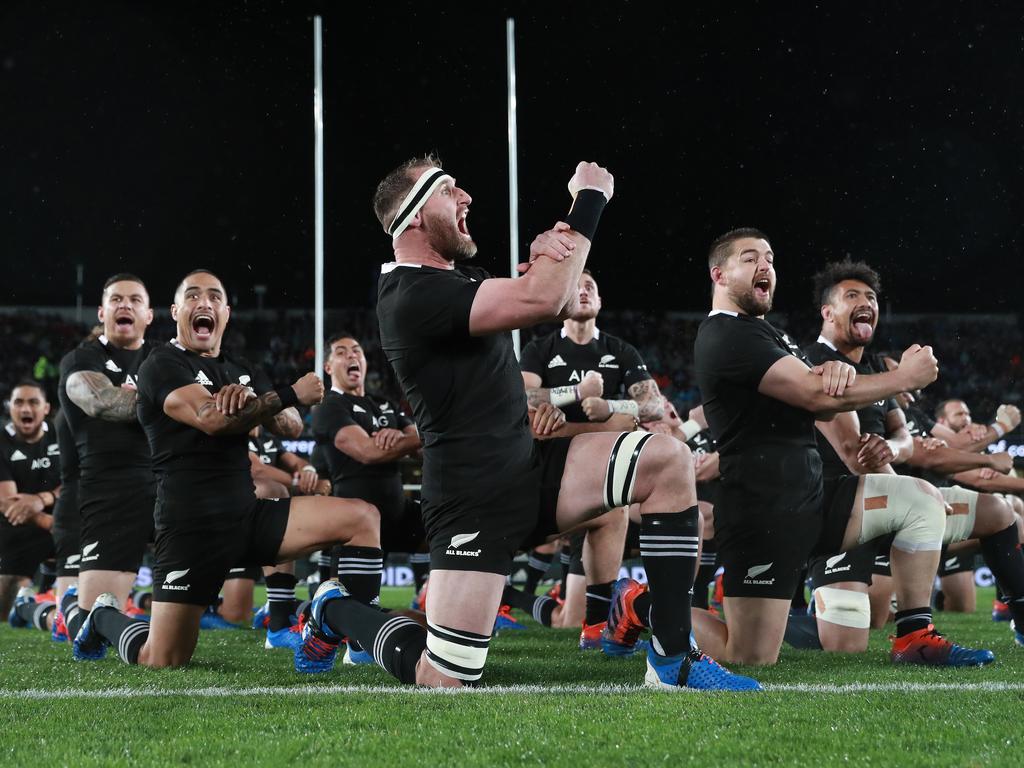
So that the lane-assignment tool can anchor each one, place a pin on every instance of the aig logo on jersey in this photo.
(43, 463)
(460, 540)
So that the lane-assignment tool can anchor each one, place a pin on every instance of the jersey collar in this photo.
(102, 339)
(729, 312)
(827, 343)
(10, 430)
(597, 333)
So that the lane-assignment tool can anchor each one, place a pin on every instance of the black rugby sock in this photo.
(912, 620)
(73, 615)
(47, 578)
(668, 549)
(360, 569)
(539, 607)
(281, 599)
(564, 559)
(599, 600)
(1002, 553)
(419, 562)
(125, 634)
(706, 569)
(396, 642)
(536, 568)
(35, 614)
(324, 570)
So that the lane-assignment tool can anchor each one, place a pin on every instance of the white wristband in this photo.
(562, 396)
(997, 428)
(691, 429)
(308, 468)
(624, 406)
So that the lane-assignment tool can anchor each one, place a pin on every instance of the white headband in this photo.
(421, 191)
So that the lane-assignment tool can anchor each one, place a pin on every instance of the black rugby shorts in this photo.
(194, 553)
(471, 534)
(117, 524)
(23, 548)
(767, 527)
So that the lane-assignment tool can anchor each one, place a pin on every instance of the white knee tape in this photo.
(620, 477)
(843, 607)
(964, 506)
(900, 505)
(461, 655)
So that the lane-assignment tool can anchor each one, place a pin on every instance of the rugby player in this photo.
(588, 374)
(197, 407)
(873, 439)
(364, 436)
(488, 488)
(29, 487)
(773, 510)
(116, 485)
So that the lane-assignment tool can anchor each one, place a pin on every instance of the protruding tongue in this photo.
(862, 331)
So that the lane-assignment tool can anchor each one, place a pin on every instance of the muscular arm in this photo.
(194, 406)
(96, 396)
(261, 471)
(535, 393)
(792, 382)
(541, 295)
(899, 438)
(617, 422)
(287, 423)
(997, 484)
(8, 488)
(648, 399)
(962, 440)
(947, 461)
(843, 434)
(353, 441)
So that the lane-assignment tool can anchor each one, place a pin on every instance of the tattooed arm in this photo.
(592, 385)
(287, 423)
(234, 409)
(648, 399)
(96, 396)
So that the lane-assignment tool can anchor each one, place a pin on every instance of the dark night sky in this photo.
(158, 137)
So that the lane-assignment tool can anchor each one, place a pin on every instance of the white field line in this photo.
(214, 692)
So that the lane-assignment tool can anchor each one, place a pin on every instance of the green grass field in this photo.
(240, 705)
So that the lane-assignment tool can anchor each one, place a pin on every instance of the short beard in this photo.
(750, 305)
(446, 240)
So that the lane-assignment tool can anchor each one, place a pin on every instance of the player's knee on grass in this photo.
(457, 653)
(910, 508)
(844, 616)
(356, 523)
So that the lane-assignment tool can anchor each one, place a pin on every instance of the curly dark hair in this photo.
(837, 271)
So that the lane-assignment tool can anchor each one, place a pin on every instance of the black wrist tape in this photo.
(586, 212)
(287, 397)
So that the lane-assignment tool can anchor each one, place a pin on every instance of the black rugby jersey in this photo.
(268, 448)
(466, 392)
(34, 467)
(68, 450)
(106, 449)
(561, 362)
(183, 456)
(341, 409)
(702, 443)
(919, 424)
(731, 355)
(872, 417)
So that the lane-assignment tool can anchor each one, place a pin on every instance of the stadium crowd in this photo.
(756, 455)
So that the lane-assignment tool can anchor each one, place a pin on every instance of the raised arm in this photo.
(546, 290)
(792, 382)
(97, 397)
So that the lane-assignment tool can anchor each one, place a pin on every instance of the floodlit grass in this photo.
(166, 718)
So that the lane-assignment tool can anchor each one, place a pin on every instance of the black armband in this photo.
(287, 397)
(586, 212)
